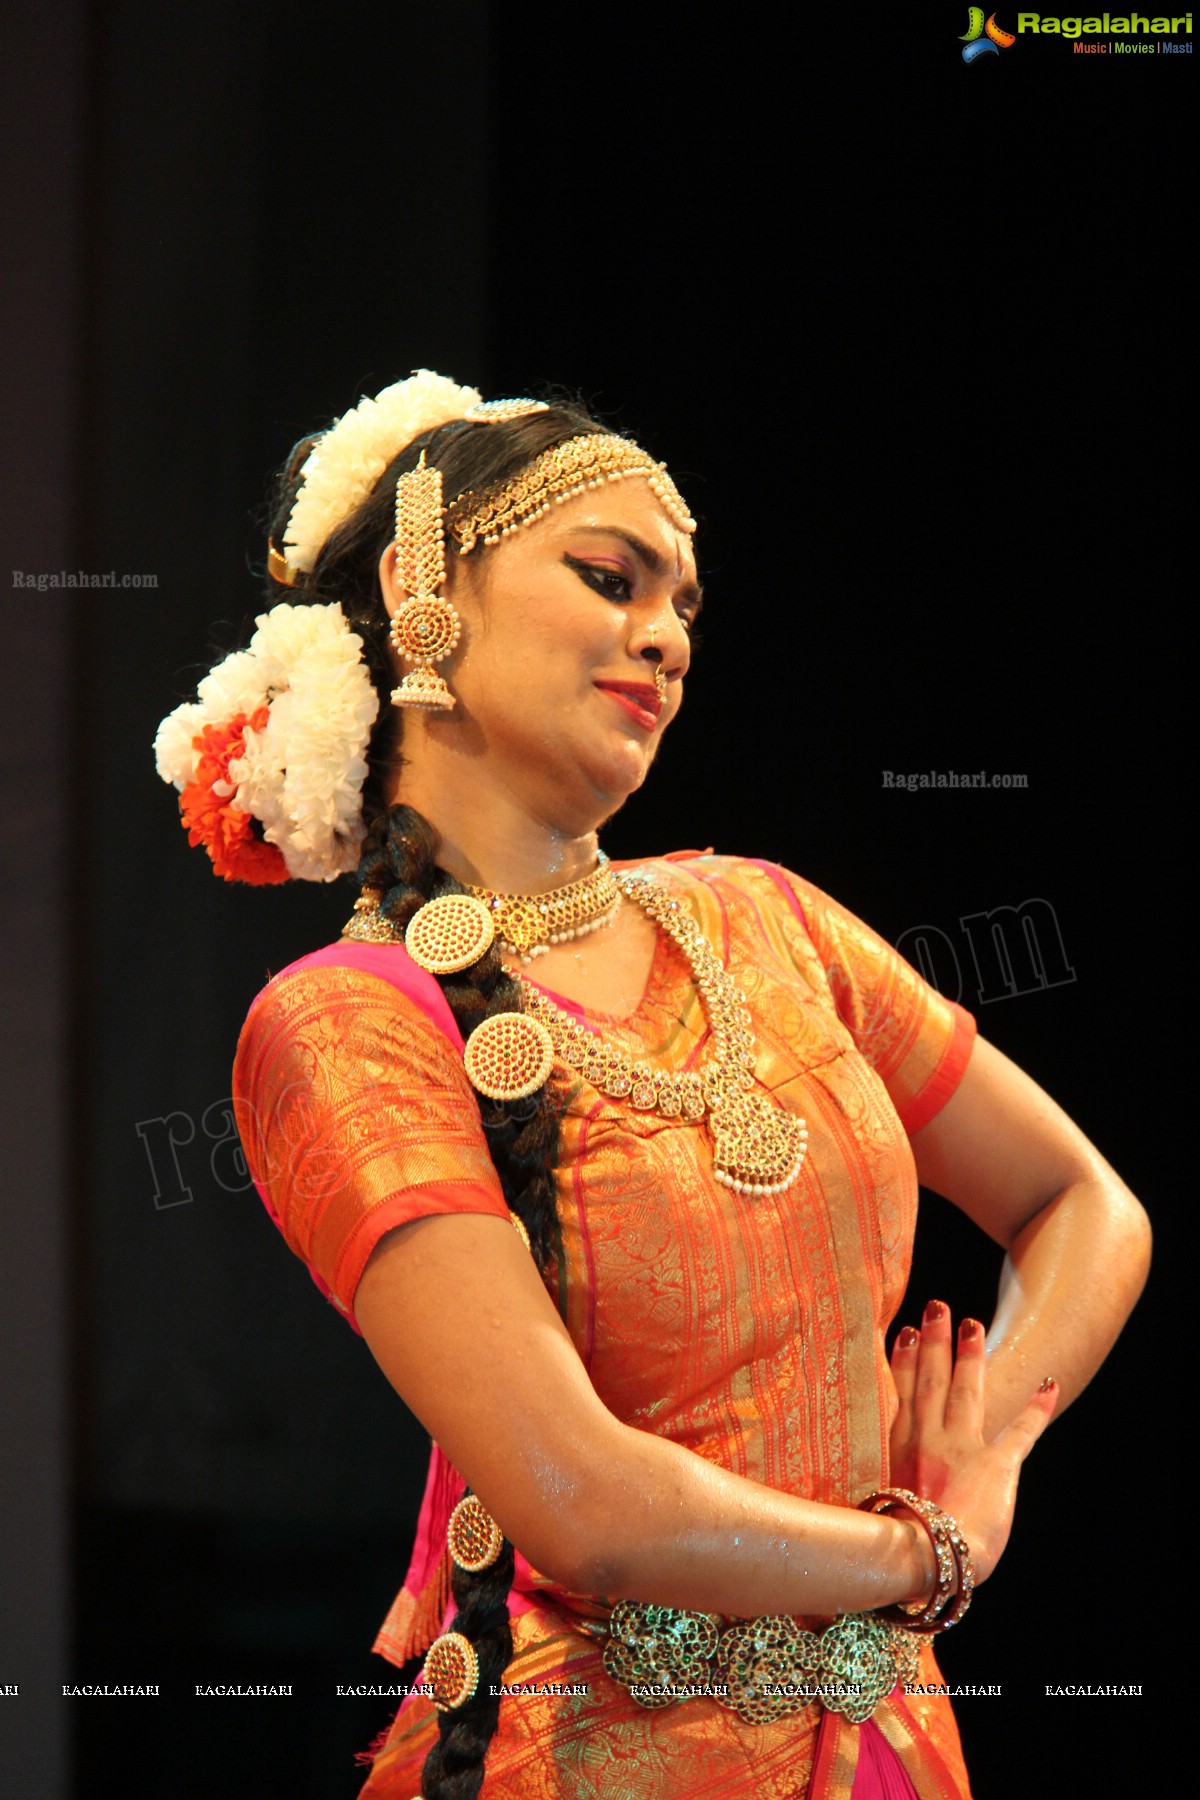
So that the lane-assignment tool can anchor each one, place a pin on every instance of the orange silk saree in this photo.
(749, 1329)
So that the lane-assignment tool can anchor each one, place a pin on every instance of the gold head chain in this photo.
(557, 475)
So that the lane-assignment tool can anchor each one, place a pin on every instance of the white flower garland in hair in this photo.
(347, 461)
(301, 775)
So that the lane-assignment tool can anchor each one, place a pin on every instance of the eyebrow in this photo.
(651, 559)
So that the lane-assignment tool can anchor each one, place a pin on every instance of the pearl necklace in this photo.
(758, 1148)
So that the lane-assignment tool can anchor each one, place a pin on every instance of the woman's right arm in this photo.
(458, 1319)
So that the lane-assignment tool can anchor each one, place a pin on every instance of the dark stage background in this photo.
(911, 334)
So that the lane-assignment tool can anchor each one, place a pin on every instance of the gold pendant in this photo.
(757, 1147)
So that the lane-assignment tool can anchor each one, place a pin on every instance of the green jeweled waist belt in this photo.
(762, 1669)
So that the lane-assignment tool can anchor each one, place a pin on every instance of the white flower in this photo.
(347, 461)
(174, 757)
(301, 776)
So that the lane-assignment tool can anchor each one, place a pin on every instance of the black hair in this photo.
(399, 863)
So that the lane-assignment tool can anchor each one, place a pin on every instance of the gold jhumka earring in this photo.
(426, 628)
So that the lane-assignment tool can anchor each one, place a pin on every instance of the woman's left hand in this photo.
(939, 1450)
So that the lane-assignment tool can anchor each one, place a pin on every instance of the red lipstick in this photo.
(640, 699)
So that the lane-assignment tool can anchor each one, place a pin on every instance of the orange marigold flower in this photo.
(227, 834)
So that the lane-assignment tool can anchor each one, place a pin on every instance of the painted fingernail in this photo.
(1047, 1385)
(969, 1328)
(908, 1337)
(934, 1311)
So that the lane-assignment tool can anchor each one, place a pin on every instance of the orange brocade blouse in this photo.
(749, 1329)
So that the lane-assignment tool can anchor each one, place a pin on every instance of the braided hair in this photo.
(399, 864)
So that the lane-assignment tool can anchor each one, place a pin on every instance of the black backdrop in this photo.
(910, 333)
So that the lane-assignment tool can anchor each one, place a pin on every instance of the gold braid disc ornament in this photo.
(449, 933)
(509, 1056)
(473, 1537)
(451, 1670)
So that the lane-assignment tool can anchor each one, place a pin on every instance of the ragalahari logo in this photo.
(981, 39)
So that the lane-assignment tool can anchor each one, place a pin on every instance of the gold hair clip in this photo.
(279, 568)
(496, 412)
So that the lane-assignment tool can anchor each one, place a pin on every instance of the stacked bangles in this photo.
(955, 1580)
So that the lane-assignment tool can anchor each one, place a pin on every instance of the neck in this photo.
(491, 837)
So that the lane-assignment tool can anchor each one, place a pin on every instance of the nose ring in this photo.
(653, 631)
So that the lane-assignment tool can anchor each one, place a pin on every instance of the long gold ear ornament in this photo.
(425, 629)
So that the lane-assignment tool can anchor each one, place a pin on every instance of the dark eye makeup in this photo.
(611, 584)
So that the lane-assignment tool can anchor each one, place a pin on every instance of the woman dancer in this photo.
(616, 1171)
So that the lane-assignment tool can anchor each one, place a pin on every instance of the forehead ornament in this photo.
(557, 475)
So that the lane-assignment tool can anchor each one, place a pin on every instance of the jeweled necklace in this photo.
(758, 1148)
(527, 924)
(453, 932)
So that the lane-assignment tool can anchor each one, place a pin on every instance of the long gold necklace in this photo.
(758, 1148)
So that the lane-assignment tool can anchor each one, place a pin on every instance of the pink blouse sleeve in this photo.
(355, 1112)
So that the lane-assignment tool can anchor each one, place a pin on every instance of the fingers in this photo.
(1023, 1433)
(964, 1407)
(904, 1374)
(933, 1368)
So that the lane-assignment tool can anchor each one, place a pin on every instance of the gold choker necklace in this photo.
(527, 924)
(523, 925)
